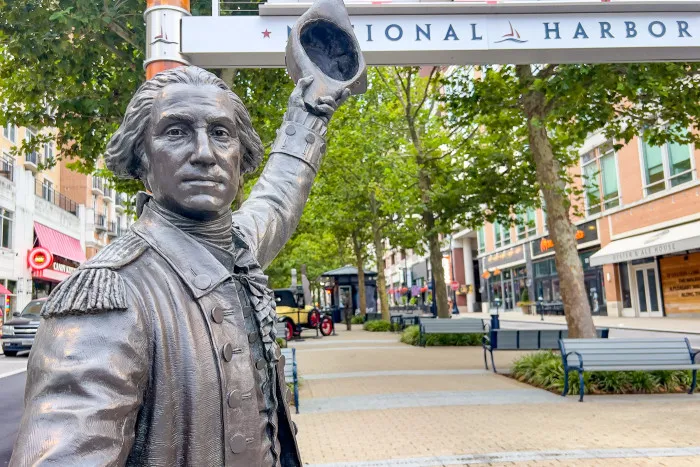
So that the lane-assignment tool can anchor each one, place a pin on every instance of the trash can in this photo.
(336, 315)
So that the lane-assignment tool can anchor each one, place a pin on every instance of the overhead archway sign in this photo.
(460, 34)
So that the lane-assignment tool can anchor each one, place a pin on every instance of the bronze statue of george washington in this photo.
(161, 349)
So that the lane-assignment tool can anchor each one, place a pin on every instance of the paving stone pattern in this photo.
(366, 405)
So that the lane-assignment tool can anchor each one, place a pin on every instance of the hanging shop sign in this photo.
(511, 255)
(680, 282)
(39, 259)
(454, 285)
(585, 233)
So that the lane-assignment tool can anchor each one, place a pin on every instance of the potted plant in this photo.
(525, 304)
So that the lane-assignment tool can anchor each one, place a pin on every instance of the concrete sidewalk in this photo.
(368, 400)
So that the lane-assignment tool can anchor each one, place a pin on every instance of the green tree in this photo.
(539, 115)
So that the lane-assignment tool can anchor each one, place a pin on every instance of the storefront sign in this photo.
(511, 255)
(585, 233)
(454, 38)
(680, 282)
(63, 268)
(39, 258)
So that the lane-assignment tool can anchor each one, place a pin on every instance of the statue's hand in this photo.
(299, 111)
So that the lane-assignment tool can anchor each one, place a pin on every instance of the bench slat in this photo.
(641, 367)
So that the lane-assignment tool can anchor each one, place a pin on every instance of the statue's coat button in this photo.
(217, 314)
(227, 352)
(310, 138)
(234, 399)
(252, 337)
(260, 364)
(290, 130)
(237, 443)
(202, 281)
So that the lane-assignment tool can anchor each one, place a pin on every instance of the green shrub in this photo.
(411, 335)
(281, 342)
(545, 370)
(377, 326)
(358, 319)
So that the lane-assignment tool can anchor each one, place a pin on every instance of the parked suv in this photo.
(18, 333)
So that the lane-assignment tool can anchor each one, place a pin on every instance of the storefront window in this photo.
(501, 235)
(625, 286)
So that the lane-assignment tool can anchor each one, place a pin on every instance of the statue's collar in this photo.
(193, 263)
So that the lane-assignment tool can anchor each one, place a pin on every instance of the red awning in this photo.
(59, 244)
(4, 290)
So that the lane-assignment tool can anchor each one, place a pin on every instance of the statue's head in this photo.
(188, 138)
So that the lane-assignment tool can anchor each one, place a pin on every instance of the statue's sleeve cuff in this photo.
(298, 141)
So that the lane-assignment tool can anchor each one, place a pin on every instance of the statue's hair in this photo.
(126, 149)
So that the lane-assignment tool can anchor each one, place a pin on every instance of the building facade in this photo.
(48, 221)
(638, 237)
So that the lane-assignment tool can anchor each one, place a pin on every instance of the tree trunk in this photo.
(359, 261)
(440, 292)
(379, 255)
(561, 230)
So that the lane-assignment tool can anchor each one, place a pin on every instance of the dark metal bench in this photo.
(550, 308)
(525, 339)
(450, 326)
(626, 355)
(290, 373)
(399, 322)
(373, 316)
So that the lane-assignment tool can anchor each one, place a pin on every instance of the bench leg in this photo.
(580, 385)
(695, 381)
(296, 396)
(493, 364)
(486, 365)
(566, 383)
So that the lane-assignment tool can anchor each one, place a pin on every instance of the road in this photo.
(11, 403)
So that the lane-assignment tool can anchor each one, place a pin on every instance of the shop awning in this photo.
(59, 244)
(662, 242)
(4, 290)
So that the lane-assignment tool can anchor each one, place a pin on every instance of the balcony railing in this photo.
(47, 192)
(108, 192)
(112, 228)
(7, 167)
(97, 185)
(100, 222)
(31, 161)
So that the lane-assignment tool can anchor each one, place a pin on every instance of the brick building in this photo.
(639, 237)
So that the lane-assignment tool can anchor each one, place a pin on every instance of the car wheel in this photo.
(289, 327)
(326, 326)
(314, 318)
(10, 353)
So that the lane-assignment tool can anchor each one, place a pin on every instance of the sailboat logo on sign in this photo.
(512, 36)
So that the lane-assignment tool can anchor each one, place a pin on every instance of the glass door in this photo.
(646, 288)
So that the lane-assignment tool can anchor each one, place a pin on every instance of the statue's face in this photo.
(193, 151)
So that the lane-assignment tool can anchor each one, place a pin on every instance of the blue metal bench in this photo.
(525, 339)
(626, 355)
(290, 373)
(450, 326)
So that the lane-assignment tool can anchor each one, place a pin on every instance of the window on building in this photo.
(9, 131)
(501, 235)
(600, 178)
(666, 166)
(48, 153)
(33, 156)
(527, 225)
(6, 228)
(47, 190)
(481, 240)
(7, 166)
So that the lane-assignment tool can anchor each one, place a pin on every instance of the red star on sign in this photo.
(266, 34)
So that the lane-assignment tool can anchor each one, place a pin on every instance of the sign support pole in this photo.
(163, 36)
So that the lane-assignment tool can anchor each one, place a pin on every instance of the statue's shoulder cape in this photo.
(96, 286)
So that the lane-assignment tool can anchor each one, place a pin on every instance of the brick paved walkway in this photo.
(369, 401)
